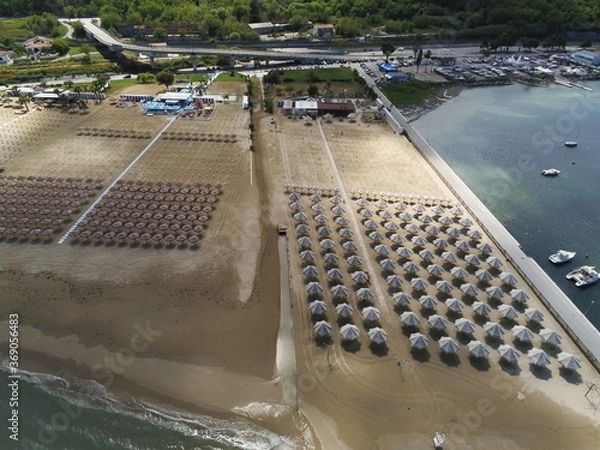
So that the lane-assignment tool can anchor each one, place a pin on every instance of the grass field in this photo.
(411, 93)
(231, 77)
(14, 29)
(316, 75)
(118, 85)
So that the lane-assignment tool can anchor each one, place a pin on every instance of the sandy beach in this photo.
(209, 311)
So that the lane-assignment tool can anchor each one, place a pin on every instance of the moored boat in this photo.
(550, 172)
(584, 276)
(570, 143)
(561, 256)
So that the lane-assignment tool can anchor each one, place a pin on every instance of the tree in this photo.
(387, 48)
(99, 84)
(165, 77)
(312, 90)
(61, 46)
(585, 43)
(78, 29)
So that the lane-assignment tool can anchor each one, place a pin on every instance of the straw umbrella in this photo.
(448, 345)
(478, 349)
(550, 336)
(465, 326)
(401, 299)
(538, 357)
(508, 353)
(377, 335)
(410, 319)
(418, 341)
(349, 332)
(569, 361)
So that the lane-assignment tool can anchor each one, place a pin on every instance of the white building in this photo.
(306, 108)
(586, 58)
(323, 30)
(6, 57)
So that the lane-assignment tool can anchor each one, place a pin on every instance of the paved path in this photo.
(286, 351)
(574, 321)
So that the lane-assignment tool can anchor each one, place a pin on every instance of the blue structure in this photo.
(386, 68)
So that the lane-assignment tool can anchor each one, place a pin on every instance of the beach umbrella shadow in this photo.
(570, 376)
(379, 349)
(542, 373)
(421, 355)
(481, 364)
(352, 346)
(450, 359)
(509, 367)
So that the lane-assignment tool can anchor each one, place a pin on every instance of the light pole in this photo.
(588, 308)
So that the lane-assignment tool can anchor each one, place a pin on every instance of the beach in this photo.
(210, 313)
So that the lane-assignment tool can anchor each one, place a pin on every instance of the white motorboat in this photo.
(550, 172)
(438, 440)
(561, 256)
(570, 143)
(584, 276)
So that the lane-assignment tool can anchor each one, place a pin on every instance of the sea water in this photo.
(499, 139)
(60, 414)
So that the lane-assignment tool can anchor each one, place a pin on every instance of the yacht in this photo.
(570, 143)
(550, 172)
(561, 256)
(584, 276)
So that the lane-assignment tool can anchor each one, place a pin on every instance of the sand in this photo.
(214, 310)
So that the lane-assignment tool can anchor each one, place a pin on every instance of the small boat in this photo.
(584, 276)
(550, 172)
(561, 256)
(570, 143)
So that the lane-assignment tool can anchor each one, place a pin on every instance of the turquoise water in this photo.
(61, 415)
(498, 140)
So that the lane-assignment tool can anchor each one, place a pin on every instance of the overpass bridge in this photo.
(113, 44)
